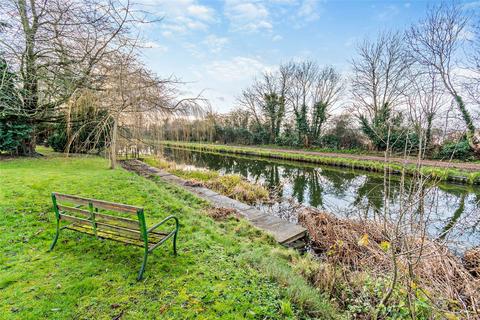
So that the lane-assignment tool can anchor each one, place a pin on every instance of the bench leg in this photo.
(142, 269)
(175, 243)
(56, 237)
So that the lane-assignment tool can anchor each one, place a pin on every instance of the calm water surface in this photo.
(454, 209)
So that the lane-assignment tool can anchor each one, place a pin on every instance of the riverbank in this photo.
(230, 185)
(468, 173)
(284, 232)
(225, 269)
(354, 256)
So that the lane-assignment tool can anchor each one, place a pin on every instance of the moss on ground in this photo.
(224, 270)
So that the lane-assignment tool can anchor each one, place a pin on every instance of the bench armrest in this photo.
(162, 222)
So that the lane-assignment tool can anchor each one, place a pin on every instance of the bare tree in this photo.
(313, 91)
(425, 99)
(305, 74)
(379, 73)
(132, 99)
(435, 42)
(378, 86)
(301, 89)
(266, 100)
(55, 45)
(326, 92)
(250, 101)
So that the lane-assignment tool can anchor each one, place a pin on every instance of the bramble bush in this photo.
(459, 150)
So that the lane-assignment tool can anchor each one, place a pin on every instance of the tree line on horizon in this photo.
(413, 90)
(71, 78)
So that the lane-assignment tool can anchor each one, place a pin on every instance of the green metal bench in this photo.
(85, 216)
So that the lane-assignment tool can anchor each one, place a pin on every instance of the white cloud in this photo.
(214, 43)
(182, 16)
(471, 5)
(309, 10)
(193, 49)
(224, 79)
(154, 45)
(304, 54)
(247, 16)
(284, 1)
(388, 12)
(350, 42)
(255, 15)
(235, 69)
(276, 38)
(203, 13)
(467, 34)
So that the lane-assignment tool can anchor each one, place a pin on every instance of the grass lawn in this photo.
(224, 270)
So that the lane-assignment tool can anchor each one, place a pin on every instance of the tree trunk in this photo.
(113, 144)
(428, 133)
(29, 71)
(472, 139)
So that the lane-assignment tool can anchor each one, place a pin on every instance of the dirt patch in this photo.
(137, 167)
(222, 213)
(194, 183)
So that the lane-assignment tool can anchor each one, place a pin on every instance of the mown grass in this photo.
(223, 270)
(230, 185)
(441, 174)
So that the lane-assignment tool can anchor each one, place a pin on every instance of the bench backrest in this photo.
(92, 217)
(97, 203)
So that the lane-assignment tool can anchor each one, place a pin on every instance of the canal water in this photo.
(453, 210)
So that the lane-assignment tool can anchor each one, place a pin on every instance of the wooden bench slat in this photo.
(131, 226)
(106, 235)
(83, 212)
(113, 233)
(101, 217)
(75, 219)
(98, 203)
(137, 233)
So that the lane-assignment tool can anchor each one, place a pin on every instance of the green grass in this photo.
(224, 270)
(441, 174)
(319, 149)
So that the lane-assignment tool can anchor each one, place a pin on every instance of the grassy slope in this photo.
(224, 269)
(442, 174)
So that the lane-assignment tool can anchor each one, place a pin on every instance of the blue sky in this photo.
(220, 46)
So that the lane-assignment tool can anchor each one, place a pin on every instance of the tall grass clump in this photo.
(276, 265)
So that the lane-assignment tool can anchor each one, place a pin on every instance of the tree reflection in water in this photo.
(345, 192)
